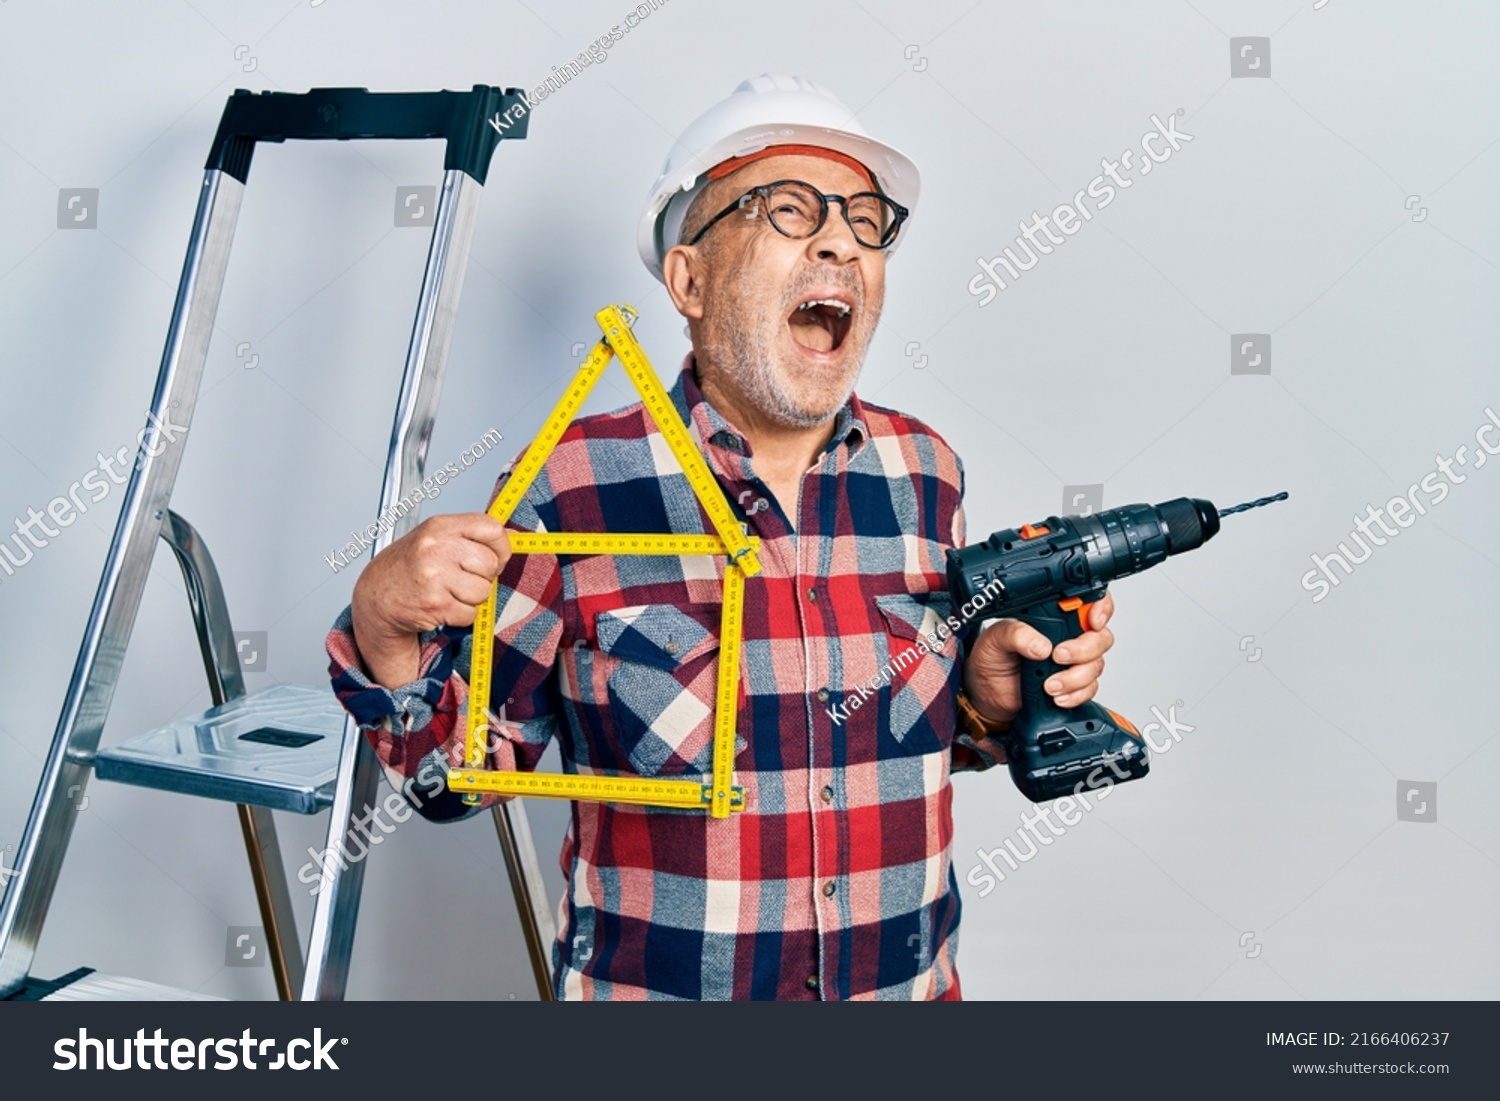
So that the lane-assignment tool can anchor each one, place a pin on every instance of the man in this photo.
(835, 881)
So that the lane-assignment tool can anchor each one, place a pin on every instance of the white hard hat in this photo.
(771, 109)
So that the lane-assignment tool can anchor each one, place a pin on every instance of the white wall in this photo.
(1261, 859)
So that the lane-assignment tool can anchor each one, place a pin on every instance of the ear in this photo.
(684, 274)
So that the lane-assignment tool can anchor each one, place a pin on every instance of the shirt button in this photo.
(828, 889)
(812, 594)
(732, 442)
(670, 647)
(822, 695)
(812, 982)
(827, 794)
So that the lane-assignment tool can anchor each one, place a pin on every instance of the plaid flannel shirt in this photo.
(836, 880)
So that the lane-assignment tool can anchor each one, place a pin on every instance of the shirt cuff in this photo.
(971, 754)
(409, 707)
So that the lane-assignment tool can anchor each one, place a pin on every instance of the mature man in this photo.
(770, 228)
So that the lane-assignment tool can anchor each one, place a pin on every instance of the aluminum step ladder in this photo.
(288, 747)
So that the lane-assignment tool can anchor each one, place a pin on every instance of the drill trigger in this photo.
(1076, 604)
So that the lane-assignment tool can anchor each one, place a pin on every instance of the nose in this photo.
(834, 242)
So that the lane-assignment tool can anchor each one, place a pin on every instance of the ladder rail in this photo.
(274, 898)
(226, 681)
(205, 593)
(49, 825)
(331, 939)
(529, 889)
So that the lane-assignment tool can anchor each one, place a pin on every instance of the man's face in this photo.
(750, 310)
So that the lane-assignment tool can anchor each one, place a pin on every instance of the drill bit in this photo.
(1253, 504)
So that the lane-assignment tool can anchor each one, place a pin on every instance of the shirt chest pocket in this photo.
(924, 680)
(661, 674)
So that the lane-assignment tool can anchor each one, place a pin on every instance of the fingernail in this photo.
(1061, 654)
(1054, 686)
(1039, 649)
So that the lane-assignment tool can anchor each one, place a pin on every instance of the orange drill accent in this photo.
(1076, 604)
(1123, 723)
(1030, 531)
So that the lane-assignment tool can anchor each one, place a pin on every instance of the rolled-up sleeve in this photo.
(417, 730)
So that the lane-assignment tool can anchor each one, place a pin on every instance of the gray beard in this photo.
(735, 343)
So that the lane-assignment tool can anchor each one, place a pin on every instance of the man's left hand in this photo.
(992, 672)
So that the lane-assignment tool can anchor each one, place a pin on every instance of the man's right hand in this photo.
(438, 573)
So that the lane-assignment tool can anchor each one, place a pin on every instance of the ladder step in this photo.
(94, 987)
(275, 748)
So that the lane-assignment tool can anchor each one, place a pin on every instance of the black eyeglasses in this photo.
(798, 210)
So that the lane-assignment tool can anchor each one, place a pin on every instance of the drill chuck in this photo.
(1190, 523)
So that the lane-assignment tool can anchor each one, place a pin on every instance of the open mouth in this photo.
(821, 321)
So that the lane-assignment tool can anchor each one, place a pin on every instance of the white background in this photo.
(1261, 859)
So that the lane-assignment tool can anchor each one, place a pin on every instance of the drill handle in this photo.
(1058, 621)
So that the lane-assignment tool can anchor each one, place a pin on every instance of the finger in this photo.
(1101, 611)
(492, 534)
(1074, 678)
(1074, 699)
(469, 590)
(479, 560)
(1086, 647)
(460, 614)
(1015, 637)
(478, 526)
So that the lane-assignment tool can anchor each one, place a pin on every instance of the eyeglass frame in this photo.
(763, 192)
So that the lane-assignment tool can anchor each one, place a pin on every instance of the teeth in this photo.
(842, 308)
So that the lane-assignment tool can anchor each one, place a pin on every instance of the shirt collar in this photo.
(710, 427)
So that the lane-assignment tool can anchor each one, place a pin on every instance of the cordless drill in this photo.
(1049, 575)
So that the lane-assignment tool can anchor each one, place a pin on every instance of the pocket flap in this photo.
(663, 635)
(914, 617)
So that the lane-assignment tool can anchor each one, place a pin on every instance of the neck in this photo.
(779, 449)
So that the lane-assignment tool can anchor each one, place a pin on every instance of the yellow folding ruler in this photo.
(719, 797)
